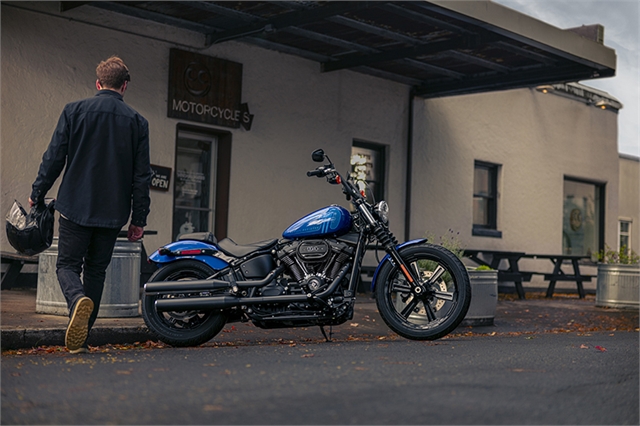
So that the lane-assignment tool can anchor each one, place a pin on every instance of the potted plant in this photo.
(618, 283)
(484, 284)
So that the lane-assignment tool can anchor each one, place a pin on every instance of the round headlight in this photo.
(382, 209)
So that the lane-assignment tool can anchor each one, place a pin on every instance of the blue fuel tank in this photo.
(329, 221)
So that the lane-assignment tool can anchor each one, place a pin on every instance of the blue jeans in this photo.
(85, 250)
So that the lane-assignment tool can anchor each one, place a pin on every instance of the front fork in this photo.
(388, 241)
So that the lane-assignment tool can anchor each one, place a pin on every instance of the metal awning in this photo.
(440, 48)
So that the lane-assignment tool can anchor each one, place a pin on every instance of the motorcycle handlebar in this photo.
(348, 188)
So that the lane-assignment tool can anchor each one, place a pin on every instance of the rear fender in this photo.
(387, 258)
(196, 250)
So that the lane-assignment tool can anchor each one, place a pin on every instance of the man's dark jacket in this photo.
(105, 146)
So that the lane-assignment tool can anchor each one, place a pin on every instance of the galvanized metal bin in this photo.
(618, 286)
(121, 287)
(484, 298)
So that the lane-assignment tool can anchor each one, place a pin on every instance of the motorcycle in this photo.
(307, 278)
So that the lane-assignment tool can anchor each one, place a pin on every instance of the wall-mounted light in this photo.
(545, 88)
(604, 104)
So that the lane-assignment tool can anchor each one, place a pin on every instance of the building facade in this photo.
(524, 169)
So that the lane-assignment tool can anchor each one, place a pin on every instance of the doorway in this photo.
(201, 184)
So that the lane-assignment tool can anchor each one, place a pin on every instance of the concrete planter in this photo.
(484, 298)
(618, 286)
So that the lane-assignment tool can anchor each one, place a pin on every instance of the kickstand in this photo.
(328, 339)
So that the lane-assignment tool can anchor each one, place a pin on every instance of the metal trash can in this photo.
(121, 286)
(618, 286)
(484, 298)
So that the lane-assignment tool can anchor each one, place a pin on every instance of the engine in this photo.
(313, 264)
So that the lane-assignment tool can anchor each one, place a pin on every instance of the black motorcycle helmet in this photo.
(31, 233)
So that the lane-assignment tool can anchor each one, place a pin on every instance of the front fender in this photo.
(187, 246)
(388, 258)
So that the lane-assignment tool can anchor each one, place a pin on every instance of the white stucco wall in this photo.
(48, 62)
(630, 196)
(537, 138)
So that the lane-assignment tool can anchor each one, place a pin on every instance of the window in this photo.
(582, 218)
(485, 200)
(624, 234)
(368, 167)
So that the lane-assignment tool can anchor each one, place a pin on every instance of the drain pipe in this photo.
(409, 177)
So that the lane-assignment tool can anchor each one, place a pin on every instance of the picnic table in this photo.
(559, 275)
(513, 273)
(15, 261)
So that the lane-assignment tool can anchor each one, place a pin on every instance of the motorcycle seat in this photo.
(205, 237)
(230, 248)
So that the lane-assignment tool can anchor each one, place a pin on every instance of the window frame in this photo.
(490, 229)
(628, 233)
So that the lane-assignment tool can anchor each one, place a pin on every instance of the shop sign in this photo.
(161, 178)
(207, 90)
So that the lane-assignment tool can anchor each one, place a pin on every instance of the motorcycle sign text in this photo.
(206, 90)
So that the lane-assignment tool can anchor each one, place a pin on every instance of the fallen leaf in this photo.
(601, 349)
(307, 356)
(354, 324)
(212, 408)
(584, 347)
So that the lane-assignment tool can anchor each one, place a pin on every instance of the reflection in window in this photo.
(582, 218)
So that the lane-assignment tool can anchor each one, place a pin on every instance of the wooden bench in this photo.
(16, 261)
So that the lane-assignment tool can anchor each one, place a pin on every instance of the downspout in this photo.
(409, 177)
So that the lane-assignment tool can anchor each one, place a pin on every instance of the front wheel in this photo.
(442, 301)
(183, 328)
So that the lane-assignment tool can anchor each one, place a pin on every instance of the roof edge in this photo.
(487, 13)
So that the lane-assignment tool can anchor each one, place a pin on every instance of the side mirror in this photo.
(318, 155)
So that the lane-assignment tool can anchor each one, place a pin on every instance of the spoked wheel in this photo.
(184, 328)
(437, 307)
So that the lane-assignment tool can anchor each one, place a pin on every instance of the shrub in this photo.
(623, 256)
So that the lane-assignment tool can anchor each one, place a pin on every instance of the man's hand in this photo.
(135, 232)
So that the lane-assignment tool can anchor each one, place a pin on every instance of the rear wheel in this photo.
(438, 308)
(183, 328)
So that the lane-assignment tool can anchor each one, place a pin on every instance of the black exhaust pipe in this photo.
(195, 286)
(208, 303)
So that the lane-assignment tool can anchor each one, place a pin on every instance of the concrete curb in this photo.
(30, 338)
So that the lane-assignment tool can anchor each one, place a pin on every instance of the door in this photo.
(194, 185)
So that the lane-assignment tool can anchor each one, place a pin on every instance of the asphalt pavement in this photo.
(23, 328)
(540, 379)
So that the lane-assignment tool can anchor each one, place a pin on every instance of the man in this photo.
(104, 144)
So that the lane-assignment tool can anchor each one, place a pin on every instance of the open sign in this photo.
(161, 178)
